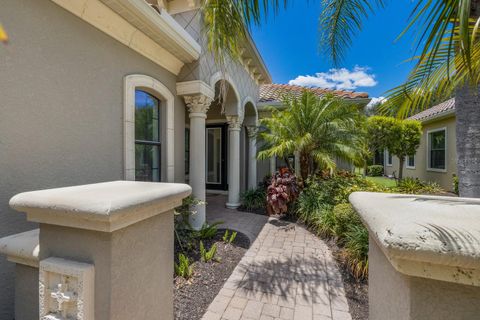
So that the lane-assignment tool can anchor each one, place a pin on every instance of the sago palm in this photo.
(319, 130)
(447, 64)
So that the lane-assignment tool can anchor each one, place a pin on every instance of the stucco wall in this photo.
(444, 179)
(61, 109)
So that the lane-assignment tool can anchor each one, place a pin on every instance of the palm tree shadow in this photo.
(307, 279)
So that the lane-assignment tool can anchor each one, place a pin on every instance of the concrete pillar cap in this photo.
(106, 206)
(431, 237)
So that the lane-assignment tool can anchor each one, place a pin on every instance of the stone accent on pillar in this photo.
(252, 157)
(197, 106)
(234, 128)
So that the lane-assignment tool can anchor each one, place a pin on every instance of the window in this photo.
(411, 162)
(437, 149)
(388, 158)
(147, 137)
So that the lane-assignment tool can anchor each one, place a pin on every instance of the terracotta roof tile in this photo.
(435, 110)
(274, 92)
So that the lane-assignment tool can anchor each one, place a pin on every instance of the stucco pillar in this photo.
(424, 256)
(296, 165)
(252, 157)
(273, 165)
(197, 106)
(103, 251)
(234, 128)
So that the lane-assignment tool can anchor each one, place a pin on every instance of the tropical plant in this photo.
(400, 137)
(282, 191)
(321, 130)
(416, 186)
(356, 250)
(448, 64)
(375, 170)
(344, 217)
(455, 184)
(183, 268)
(208, 255)
(229, 238)
(253, 199)
(208, 231)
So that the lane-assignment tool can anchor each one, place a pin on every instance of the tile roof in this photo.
(274, 92)
(435, 111)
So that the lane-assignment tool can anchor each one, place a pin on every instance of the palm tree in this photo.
(448, 64)
(320, 130)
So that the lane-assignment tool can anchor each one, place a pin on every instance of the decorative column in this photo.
(273, 165)
(234, 128)
(296, 165)
(252, 154)
(197, 106)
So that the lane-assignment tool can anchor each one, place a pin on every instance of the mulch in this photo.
(192, 297)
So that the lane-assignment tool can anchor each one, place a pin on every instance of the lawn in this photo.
(386, 182)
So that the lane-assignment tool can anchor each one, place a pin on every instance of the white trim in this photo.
(386, 155)
(414, 163)
(428, 149)
(131, 82)
(225, 76)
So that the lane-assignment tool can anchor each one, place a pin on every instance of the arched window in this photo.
(147, 137)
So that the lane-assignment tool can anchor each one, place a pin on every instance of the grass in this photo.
(386, 182)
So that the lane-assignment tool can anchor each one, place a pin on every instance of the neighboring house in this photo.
(436, 157)
(271, 95)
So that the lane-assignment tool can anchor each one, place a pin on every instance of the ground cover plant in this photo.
(204, 259)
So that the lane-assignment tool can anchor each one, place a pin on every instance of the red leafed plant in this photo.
(282, 191)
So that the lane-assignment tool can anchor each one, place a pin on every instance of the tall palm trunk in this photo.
(467, 106)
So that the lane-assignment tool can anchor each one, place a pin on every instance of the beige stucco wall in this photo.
(61, 109)
(444, 179)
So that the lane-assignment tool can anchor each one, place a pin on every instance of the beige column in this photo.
(296, 166)
(234, 128)
(252, 157)
(273, 165)
(197, 106)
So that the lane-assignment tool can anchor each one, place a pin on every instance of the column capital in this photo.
(198, 103)
(234, 122)
(252, 131)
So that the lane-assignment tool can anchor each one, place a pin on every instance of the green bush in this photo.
(415, 186)
(183, 268)
(375, 170)
(356, 250)
(455, 184)
(344, 218)
(254, 199)
(208, 231)
(208, 255)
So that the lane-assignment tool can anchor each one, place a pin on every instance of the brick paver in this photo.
(287, 273)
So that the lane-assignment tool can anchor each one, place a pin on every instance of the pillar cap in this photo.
(106, 206)
(425, 236)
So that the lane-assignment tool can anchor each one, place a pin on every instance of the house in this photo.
(436, 157)
(102, 90)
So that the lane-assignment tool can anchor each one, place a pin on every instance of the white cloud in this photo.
(375, 101)
(342, 79)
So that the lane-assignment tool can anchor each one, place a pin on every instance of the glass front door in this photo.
(215, 165)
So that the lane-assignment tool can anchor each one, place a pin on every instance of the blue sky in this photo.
(374, 63)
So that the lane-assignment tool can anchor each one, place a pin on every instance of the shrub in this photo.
(208, 231)
(345, 218)
(229, 238)
(415, 186)
(282, 191)
(455, 184)
(184, 268)
(375, 170)
(356, 250)
(254, 199)
(208, 255)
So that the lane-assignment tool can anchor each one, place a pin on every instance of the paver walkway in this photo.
(287, 273)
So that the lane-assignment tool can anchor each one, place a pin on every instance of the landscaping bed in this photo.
(193, 296)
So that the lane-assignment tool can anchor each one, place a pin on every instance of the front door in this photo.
(216, 162)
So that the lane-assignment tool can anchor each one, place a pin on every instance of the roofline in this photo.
(439, 116)
(260, 61)
(264, 105)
